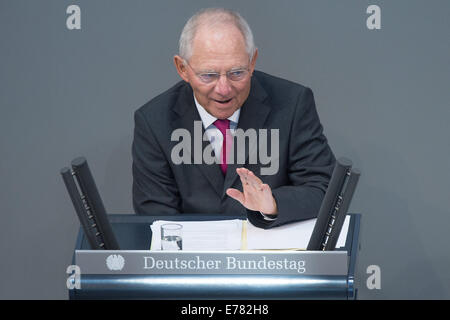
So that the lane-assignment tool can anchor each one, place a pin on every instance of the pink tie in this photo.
(223, 125)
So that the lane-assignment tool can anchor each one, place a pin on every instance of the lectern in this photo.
(137, 273)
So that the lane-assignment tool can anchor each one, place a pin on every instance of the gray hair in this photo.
(210, 17)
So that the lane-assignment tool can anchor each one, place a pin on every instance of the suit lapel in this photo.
(186, 115)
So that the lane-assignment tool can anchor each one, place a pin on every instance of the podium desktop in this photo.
(322, 274)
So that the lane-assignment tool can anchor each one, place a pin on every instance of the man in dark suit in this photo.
(222, 91)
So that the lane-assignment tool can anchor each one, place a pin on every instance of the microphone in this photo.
(88, 205)
(334, 206)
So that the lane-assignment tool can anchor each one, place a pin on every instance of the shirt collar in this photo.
(208, 119)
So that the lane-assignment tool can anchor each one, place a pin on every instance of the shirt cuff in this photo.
(268, 217)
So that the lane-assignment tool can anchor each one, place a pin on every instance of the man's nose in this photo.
(223, 86)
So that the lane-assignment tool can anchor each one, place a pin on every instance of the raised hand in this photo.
(256, 195)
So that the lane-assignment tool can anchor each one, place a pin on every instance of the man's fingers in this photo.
(248, 178)
(236, 195)
(254, 179)
(246, 183)
(265, 188)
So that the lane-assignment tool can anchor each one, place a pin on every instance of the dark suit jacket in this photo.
(305, 164)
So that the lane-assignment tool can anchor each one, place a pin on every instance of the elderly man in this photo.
(222, 91)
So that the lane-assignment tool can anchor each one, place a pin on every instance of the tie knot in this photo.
(222, 125)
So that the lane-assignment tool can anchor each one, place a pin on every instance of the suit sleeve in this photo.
(310, 165)
(154, 188)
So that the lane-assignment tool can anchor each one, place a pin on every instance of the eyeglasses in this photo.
(211, 77)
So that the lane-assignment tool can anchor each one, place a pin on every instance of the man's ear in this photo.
(181, 68)
(253, 62)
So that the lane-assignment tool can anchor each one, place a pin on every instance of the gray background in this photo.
(383, 98)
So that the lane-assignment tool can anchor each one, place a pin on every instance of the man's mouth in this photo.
(222, 101)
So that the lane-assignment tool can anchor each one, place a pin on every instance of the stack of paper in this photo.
(290, 236)
(204, 235)
(242, 235)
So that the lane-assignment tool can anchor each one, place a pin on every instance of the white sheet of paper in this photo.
(291, 236)
(227, 235)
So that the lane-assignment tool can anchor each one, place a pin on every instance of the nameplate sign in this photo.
(298, 263)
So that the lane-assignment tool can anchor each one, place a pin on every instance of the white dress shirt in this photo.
(214, 135)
